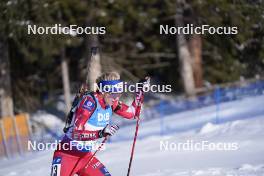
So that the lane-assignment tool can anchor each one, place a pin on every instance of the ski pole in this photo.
(136, 132)
(91, 158)
(133, 148)
(99, 148)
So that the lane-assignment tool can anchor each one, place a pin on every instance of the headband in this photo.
(113, 86)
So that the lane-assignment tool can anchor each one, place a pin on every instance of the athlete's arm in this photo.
(133, 110)
(126, 111)
(84, 111)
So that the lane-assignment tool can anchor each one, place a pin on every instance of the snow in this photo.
(195, 119)
(47, 119)
(45, 125)
(209, 127)
(241, 124)
(150, 160)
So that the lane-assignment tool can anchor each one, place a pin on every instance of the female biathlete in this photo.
(90, 120)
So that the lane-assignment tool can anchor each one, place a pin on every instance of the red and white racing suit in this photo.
(91, 116)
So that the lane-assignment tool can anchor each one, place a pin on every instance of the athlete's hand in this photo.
(144, 83)
(108, 131)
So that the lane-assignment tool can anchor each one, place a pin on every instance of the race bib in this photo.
(56, 166)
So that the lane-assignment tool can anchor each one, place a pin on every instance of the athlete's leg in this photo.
(62, 164)
(95, 168)
(65, 161)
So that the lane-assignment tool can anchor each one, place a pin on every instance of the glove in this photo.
(143, 83)
(108, 131)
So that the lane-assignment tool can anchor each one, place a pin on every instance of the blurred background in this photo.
(223, 85)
